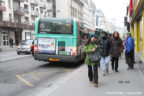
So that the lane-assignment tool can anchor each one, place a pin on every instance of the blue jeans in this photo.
(104, 63)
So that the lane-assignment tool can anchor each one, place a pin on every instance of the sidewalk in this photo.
(124, 83)
(7, 48)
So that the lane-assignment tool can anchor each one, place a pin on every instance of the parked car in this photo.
(25, 47)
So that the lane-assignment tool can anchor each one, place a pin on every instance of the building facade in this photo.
(17, 18)
(89, 12)
(135, 12)
(83, 10)
(69, 9)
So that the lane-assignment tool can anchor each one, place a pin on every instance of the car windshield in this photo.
(26, 42)
(56, 26)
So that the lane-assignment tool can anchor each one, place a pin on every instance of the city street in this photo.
(51, 47)
(26, 77)
(11, 55)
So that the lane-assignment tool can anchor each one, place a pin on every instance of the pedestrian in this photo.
(104, 43)
(129, 53)
(92, 46)
(11, 42)
(116, 45)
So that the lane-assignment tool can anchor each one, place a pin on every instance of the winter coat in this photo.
(104, 46)
(116, 46)
(129, 44)
(87, 49)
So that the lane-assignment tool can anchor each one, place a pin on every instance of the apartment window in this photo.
(10, 17)
(41, 11)
(26, 20)
(26, 0)
(37, 9)
(32, 7)
(25, 6)
(1, 16)
(49, 1)
(16, 18)
(33, 20)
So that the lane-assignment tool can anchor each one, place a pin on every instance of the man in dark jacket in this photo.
(104, 43)
(116, 46)
(11, 42)
(129, 51)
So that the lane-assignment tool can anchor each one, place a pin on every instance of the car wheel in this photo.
(31, 52)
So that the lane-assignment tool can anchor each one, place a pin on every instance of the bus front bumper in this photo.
(57, 58)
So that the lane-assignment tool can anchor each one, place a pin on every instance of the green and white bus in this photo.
(60, 40)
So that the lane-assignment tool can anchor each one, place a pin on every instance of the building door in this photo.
(5, 40)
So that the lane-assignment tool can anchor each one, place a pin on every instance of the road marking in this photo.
(39, 73)
(65, 69)
(49, 90)
(35, 78)
(25, 81)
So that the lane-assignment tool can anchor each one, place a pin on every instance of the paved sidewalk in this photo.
(7, 48)
(124, 83)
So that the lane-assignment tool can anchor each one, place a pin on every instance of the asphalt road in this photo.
(25, 76)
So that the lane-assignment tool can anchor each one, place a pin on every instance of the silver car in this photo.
(25, 47)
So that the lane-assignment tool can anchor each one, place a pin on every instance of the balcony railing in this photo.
(21, 0)
(42, 6)
(34, 2)
(2, 6)
(19, 11)
(26, 11)
(15, 25)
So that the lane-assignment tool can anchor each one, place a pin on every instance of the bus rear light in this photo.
(35, 49)
(74, 51)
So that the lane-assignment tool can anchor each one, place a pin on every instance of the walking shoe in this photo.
(96, 84)
(103, 74)
(116, 71)
(107, 70)
(91, 81)
(128, 68)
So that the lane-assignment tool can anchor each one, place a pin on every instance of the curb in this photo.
(49, 90)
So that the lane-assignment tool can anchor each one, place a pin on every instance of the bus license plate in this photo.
(54, 59)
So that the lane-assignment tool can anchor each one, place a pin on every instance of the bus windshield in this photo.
(55, 26)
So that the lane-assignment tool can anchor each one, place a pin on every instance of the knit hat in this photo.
(91, 35)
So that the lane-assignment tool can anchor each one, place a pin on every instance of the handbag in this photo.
(95, 56)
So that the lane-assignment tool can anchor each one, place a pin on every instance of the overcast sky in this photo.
(113, 9)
